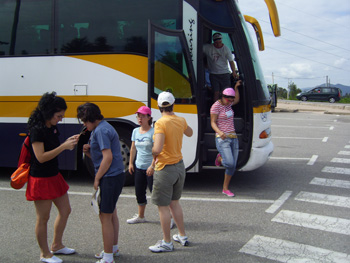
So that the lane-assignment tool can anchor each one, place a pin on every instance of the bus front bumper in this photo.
(258, 157)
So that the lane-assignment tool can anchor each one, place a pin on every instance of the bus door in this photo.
(209, 150)
(170, 69)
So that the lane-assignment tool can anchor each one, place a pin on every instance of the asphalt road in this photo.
(295, 207)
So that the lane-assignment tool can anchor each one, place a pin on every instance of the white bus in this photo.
(120, 54)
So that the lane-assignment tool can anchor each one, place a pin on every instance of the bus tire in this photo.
(125, 146)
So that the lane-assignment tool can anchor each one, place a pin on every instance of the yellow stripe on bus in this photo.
(111, 106)
(181, 108)
(262, 109)
(132, 65)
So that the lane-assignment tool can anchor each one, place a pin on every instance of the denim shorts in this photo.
(228, 150)
(111, 187)
(168, 184)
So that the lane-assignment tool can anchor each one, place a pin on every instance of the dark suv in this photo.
(321, 93)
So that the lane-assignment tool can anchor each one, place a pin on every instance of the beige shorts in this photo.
(168, 184)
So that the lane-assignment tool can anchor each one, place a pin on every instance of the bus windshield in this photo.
(256, 63)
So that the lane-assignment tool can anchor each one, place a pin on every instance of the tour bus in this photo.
(120, 54)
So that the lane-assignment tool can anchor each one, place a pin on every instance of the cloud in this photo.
(340, 62)
(296, 70)
(314, 42)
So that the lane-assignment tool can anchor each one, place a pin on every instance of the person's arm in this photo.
(42, 156)
(213, 119)
(237, 97)
(158, 144)
(150, 169)
(107, 157)
(233, 69)
(188, 132)
(132, 157)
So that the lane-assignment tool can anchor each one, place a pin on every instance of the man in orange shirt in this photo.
(170, 173)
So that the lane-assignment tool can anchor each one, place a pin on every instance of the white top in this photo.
(218, 59)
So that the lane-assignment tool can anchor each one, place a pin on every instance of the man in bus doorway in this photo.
(169, 175)
(218, 57)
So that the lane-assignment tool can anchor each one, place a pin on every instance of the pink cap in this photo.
(144, 110)
(229, 92)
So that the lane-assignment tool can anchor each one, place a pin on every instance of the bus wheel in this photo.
(125, 146)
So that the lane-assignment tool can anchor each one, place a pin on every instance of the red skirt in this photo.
(46, 188)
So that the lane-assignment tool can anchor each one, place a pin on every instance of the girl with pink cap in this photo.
(221, 119)
(141, 148)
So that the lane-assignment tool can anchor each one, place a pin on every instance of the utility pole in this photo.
(327, 81)
(272, 79)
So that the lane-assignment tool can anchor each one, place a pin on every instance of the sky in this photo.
(314, 41)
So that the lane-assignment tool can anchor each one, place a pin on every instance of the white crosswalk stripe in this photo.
(334, 200)
(340, 160)
(319, 222)
(331, 182)
(344, 153)
(291, 252)
(336, 170)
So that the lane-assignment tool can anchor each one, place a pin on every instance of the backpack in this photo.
(20, 176)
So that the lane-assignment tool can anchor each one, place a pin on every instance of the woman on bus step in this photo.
(221, 119)
(46, 185)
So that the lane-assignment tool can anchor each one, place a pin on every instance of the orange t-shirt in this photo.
(173, 128)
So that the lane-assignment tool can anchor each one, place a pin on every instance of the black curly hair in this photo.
(48, 105)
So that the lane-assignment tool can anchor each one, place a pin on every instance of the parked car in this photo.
(330, 94)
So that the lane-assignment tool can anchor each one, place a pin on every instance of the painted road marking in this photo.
(279, 202)
(312, 160)
(225, 200)
(331, 128)
(318, 222)
(344, 152)
(336, 170)
(334, 200)
(347, 146)
(289, 158)
(340, 160)
(325, 139)
(291, 252)
(299, 138)
(331, 182)
(311, 127)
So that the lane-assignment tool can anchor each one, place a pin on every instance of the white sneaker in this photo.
(161, 246)
(172, 223)
(136, 219)
(104, 261)
(101, 254)
(182, 240)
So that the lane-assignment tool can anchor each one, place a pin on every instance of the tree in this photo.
(281, 93)
(293, 91)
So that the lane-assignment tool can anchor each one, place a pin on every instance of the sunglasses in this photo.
(228, 97)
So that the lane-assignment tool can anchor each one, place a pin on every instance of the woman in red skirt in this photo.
(45, 183)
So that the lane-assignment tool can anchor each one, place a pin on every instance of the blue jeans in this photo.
(228, 149)
(141, 183)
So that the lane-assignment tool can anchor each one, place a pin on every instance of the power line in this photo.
(307, 46)
(320, 18)
(307, 36)
(307, 59)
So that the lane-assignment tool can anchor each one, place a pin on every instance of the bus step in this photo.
(208, 167)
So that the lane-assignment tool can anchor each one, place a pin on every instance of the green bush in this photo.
(344, 100)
